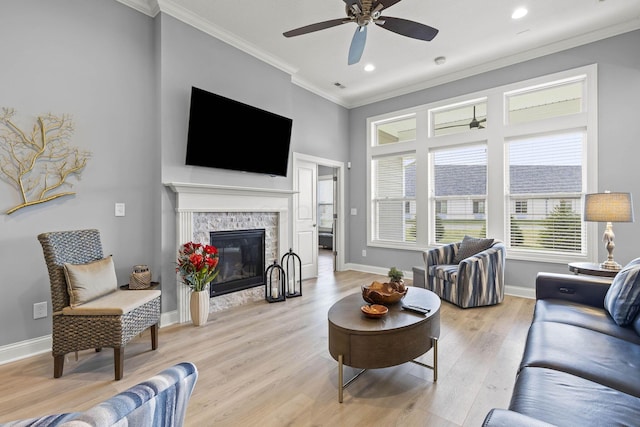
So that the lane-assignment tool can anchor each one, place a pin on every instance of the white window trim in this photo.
(495, 135)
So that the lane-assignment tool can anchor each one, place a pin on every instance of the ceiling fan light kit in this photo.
(363, 13)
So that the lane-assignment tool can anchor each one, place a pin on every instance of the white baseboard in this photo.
(169, 318)
(519, 291)
(23, 349)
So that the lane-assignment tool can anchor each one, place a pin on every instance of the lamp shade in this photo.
(608, 207)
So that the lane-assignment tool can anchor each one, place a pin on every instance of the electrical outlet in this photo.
(364, 252)
(40, 310)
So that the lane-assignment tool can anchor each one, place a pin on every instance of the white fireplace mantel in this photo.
(191, 198)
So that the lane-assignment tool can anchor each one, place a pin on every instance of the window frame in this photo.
(494, 135)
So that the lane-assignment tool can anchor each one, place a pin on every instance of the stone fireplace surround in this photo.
(201, 208)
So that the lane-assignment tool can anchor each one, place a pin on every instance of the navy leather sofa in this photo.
(579, 367)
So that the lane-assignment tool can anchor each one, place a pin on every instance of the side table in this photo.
(154, 285)
(591, 269)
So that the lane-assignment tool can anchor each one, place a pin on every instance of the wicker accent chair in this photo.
(111, 320)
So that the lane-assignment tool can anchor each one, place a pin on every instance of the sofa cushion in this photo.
(89, 281)
(567, 400)
(471, 246)
(584, 316)
(598, 357)
(622, 300)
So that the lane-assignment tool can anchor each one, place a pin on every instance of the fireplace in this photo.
(195, 200)
(241, 260)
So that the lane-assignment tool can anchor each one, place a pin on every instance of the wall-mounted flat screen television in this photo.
(228, 134)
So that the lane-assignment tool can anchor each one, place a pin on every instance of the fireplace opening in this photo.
(241, 260)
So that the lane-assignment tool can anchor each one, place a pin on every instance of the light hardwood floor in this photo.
(267, 364)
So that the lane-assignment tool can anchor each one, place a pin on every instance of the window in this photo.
(512, 163)
(394, 198)
(545, 173)
(459, 177)
(521, 206)
(550, 100)
(325, 203)
(459, 118)
(400, 129)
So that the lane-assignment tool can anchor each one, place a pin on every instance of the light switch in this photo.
(119, 209)
(354, 211)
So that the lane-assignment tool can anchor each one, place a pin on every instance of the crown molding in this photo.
(148, 7)
(153, 7)
(180, 13)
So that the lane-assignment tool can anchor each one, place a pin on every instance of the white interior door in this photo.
(306, 229)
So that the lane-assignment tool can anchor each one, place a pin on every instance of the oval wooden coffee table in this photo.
(398, 337)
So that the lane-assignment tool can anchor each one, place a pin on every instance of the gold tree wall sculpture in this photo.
(38, 164)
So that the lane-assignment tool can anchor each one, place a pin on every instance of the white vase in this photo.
(199, 307)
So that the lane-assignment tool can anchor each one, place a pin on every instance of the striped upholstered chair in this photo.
(466, 281)
(160, 401)
(88, 309)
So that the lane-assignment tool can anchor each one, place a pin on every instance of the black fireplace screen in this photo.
(241, 260)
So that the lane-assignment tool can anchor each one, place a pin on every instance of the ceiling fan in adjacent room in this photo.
(473, 124)
(363, 13)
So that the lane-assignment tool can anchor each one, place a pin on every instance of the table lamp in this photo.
(608, 207)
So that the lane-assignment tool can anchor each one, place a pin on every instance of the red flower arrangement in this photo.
(197, 265)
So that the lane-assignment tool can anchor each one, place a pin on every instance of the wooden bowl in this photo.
(383, 293)
(374, 310)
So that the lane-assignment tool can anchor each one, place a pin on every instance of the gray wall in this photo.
(126, 79)
(93, 60)
(618, 60)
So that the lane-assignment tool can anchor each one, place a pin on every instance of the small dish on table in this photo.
(374, 311)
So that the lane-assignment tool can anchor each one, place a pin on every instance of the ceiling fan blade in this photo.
(357, 45)
(316, 27)
(407, 28)
(385, 4)
(451, 126)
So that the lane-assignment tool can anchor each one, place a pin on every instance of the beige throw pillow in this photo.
(86, 282)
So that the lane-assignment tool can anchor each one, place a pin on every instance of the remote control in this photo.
(416, 309)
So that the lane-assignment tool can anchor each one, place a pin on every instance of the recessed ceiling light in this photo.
(519, 13)
(369, 67)
(440, 60)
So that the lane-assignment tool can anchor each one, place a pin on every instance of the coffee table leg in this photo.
(340, 379)
(342, 385)
(434, 367)
(434, 342)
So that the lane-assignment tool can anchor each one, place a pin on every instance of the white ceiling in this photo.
(475, 36)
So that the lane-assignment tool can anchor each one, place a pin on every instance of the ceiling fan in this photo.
(473, 124)
(363, 13)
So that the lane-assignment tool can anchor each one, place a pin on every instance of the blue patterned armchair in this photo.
(160, 401)
(475, 281)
